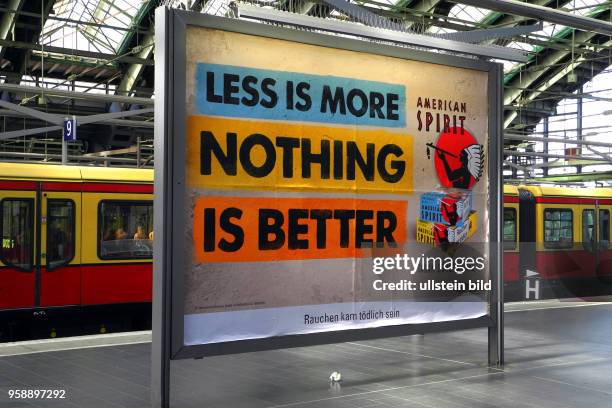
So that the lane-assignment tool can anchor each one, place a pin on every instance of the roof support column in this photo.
(579, 124)
(543, 13)
(545, 147)
(8, 19)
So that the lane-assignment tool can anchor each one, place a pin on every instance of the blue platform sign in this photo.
(70, 129)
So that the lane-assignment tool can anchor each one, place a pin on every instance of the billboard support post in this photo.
(161, 322)
(496, 305)
(170, 203)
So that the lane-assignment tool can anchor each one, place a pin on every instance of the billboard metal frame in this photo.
(169, 203)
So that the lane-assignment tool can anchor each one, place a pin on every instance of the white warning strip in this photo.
(140, 337)
(74, 343)
(552, 304)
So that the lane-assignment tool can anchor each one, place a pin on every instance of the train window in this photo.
(558, 228)
(60, 232)
(17, 219)
(604, 229)
(509, 228)
(125, 229)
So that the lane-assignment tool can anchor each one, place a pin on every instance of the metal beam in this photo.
(364, 16)
(19, 58)
(9, 10)
(479, 36)
(28, 132)
(579, 123)
(334, 26)
(71, 52)
(59, 119)
(84, 120)
(556, 140)
(129, 123)
(300, 7)
(135, 70)
(594, 176)
(528, 77)
(561, 164)
(531, 167)
(507, 20)
(412, 18)
(560, 94)
(528, 171)
(114, 152)
(530, 109)
(552, 79)
(118, 122)
(543, 64)
(545, 128)
(553, 156)
(33, 90)
(47, 117)
(72, 158)
(542, 13)
(602, 154)
(421, 8)
(8, 20)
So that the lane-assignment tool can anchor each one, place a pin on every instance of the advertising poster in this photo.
(329, 189)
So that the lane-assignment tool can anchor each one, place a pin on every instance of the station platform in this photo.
(558, 354)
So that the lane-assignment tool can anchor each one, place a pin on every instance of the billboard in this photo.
(300, 171)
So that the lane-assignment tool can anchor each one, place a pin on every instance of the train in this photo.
(559, 235)
(77, 241)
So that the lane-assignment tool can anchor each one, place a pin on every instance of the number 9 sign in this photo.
(70, 129)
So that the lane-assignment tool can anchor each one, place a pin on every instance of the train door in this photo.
(527, 237)
(587, 258)
(597, 261)
(511, 250)
(19, 275)
(603, 267)
(60, 244)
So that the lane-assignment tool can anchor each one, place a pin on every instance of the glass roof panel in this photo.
(468, 13)
(508, 65)
(462, 14)
(440, 30)
(91, 25)
(583, 7)
(595, 123)
(216, 7)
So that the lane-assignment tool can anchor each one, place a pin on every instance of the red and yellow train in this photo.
(74, 240)
(80, 238)
(561, 234)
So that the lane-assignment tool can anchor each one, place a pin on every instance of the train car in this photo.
(561, 235)
(75, 240)
(510, 234)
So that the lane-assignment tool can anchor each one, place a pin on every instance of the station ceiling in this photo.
(92, 56)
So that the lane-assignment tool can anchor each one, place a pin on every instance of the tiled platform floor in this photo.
(556, 357)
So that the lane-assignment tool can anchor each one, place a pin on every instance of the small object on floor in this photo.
(335, 377)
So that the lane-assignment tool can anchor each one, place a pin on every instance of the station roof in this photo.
(101, 52)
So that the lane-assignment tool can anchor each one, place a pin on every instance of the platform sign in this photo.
(293, 168)
(70, 129)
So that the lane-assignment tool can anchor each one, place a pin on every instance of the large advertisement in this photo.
(329, 189)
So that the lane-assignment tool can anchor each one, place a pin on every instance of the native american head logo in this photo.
(459, 159)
